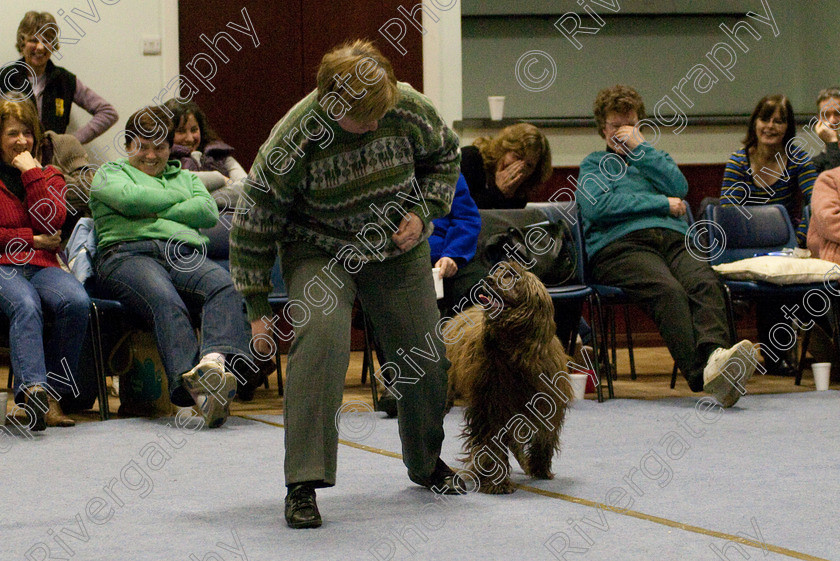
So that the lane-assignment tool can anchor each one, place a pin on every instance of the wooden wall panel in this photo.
(328, 23)
(259, 85)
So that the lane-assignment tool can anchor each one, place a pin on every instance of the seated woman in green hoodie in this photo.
(151, 257)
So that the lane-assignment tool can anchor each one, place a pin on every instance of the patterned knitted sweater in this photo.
(342, 192)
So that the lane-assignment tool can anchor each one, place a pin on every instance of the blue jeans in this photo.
(27, 294)
(162, 283)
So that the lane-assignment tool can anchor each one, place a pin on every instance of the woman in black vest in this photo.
(52, 88)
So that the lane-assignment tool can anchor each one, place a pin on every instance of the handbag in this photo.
(143, 384)
(546, 249)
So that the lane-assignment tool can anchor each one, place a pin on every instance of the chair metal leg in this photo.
(597, 322)
(613, 343)
(99, 361)
(11, 381)
(629, 341)
(367, 356)
(602, 350)
(730, 314)
(674, 377)
(367, 364)
(801, 364)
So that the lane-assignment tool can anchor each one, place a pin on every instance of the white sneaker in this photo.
(728, 370)
(213, 389)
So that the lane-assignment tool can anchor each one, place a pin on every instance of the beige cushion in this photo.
(779, 270)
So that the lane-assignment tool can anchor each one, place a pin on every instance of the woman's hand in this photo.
(629, 136)
(50, 242)
(447, 267)
(676, 207)
(510, 178)
(25, 162)
(409, 233)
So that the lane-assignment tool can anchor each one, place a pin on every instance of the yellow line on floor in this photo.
(672, 524)
(350, 443)
(594, 504)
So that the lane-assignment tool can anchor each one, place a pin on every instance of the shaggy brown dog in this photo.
(509, 367)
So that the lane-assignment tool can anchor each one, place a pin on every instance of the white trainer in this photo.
(212, 388)
(727, 372)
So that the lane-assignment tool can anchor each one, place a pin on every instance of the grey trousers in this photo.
(399, 297)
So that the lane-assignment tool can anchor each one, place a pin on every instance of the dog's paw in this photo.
(542, 474)
(506, 487)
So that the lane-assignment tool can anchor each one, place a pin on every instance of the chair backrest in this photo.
(749, 231)
(688, 216)
(567, 211)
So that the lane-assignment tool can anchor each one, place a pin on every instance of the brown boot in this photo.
(55, 417)
(35, 402)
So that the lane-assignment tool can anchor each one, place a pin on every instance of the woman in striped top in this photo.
(770, 168)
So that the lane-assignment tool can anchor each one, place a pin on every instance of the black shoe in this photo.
(781, 368)
(388, 404)
(301, 509)
(441, 481)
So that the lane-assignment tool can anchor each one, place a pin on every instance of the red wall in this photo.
(260, 84)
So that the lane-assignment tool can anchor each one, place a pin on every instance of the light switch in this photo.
(151, 45)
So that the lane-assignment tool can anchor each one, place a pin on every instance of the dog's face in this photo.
(516, 301)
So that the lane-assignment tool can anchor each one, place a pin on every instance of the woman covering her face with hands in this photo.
(502, 171)
(32, 285)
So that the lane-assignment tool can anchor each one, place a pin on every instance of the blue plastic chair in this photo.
(744, 232)
(578, 291)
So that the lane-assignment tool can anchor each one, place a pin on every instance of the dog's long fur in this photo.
(506, 343)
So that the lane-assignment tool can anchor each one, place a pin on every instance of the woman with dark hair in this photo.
(770, 169)
(147, 213)
(32, 285)
(502, 171)
(200, 150)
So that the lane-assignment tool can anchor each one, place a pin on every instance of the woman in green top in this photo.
(151, 257)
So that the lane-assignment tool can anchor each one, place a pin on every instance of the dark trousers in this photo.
(681, 293)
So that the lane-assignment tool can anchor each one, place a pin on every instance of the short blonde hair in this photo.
(32, 23)
(523, 139)
(353, 58)
(17, 106)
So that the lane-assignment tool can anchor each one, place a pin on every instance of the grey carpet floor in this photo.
(758, 481)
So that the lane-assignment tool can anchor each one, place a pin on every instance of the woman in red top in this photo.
(32, 285)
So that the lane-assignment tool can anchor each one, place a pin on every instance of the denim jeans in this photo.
(27, 294)
(163, 283)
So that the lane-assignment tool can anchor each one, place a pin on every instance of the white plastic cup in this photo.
(579, 385)
(497, 107)
(822, 373)
(4, 400)
(438, 282)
